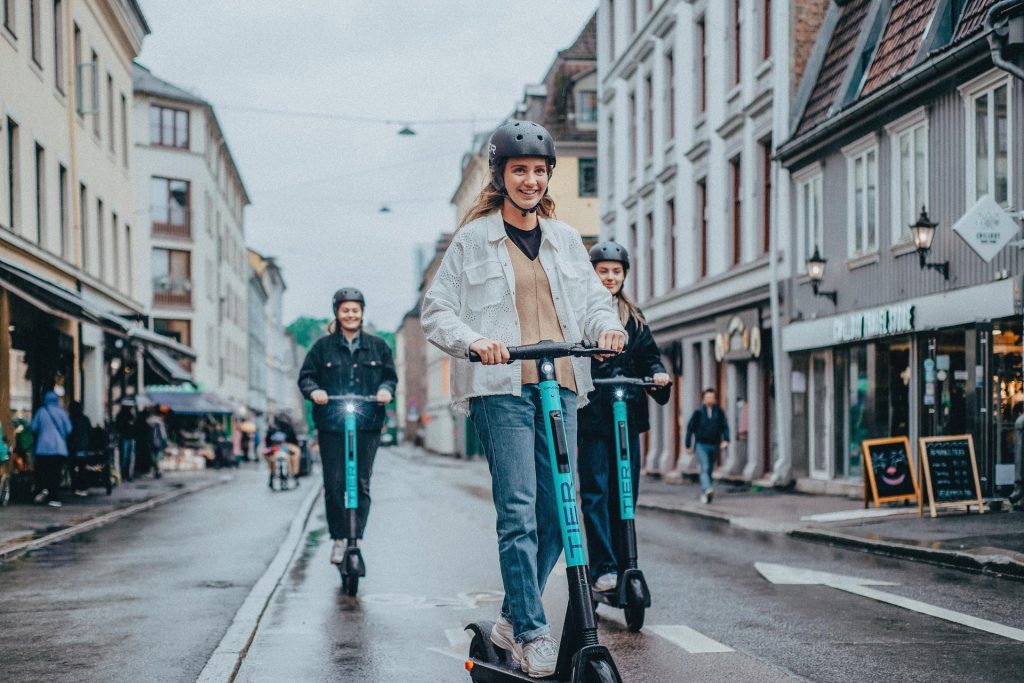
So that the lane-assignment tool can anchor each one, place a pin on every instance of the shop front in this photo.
(939, 365)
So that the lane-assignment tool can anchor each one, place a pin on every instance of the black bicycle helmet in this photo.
(518, 139)
(609, 251)
(348, 294)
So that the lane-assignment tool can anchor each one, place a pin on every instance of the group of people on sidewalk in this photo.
(58, 441)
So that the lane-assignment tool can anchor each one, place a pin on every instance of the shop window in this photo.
(1007, 398)
(876, 400)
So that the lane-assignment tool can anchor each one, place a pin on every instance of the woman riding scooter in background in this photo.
(348, 360)
(598, 489)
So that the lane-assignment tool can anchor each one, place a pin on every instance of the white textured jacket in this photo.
(473, 297)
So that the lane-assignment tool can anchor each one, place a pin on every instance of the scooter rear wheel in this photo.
(350, 584)
(634, 618)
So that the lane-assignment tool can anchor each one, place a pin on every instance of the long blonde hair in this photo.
(491, 199)
(629, 310)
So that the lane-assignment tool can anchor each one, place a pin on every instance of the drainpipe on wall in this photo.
(1009, 34)
(782, 467)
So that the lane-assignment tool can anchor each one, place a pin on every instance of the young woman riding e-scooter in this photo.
(513, 275)
(348, 360)
(599, 485)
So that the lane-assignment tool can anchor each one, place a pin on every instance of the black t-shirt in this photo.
(528, 241)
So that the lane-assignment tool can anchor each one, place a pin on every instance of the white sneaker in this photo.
(81, 493)
(338, 551)
(606, 582)
(540, 656)
(55, 503)
(704, 499)
(42, 496)
(503, 636)
(711, 494)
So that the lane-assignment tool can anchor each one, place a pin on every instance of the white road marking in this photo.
(690, 640)
(457, 637)
(781, 574)
(448, 653)
(850, 515)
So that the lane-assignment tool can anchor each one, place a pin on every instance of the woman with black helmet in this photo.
(348, 360)
(599, 494)
(514, 275)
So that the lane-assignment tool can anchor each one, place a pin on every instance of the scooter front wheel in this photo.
(350, 584)
(634, 618)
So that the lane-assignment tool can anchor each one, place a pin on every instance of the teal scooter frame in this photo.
(631, 593)
(352, 567)
(581, 658)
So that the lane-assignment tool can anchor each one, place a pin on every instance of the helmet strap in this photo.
(525, 212)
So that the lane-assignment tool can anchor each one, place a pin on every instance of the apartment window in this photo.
(988, 129)
(35, 32)
(586, 108)
(736, 182)
(588, 177)
(83, 224)
(611, 28)
(115, 237)
(168, 127)
(611, 157)
(40, 193)
(128, 269)
(633, 248)
(170, 207)
(9, 22)
(63, 208)
(96, 101)
(810, 226)
(111, 120)
(766, 198)
(649, 250)
(101, 241)
(632, 134)
(13, 175)
(737, 31)
(909, 174)
(862, 200)
(702, 228)
(172, 277)
(59, 70)
(766, 29)
(76, 46)
(632, 16)
(124, 131)
(702, 66)
(670, 226)
(649, 117)
(178, 330)
(670, 98)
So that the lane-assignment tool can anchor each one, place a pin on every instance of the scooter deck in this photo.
(486, 672)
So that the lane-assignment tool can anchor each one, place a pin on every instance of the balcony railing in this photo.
(173, 299)
(172, 230)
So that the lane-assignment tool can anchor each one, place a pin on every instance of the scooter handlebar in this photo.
(646, 382)
(550, 349)
(356, 398)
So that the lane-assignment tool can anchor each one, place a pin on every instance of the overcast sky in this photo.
(317, 184)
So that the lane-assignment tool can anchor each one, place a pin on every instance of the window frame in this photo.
(174, 127)
(736, 209)
(701, 28)
(855, 152)
(670, 97)
(168, 228)
(581, 96)
(670, 226)
(985, 86)
(59, 30)
(35, 33)
(10, 22)
(586, 164)
(906, 125)
(703, 260)
(812, 177)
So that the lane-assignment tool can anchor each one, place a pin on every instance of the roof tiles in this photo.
(900, 42)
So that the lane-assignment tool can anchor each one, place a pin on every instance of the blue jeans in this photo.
(707, 456)
(511, 429)
(127, 459)
(599, 496)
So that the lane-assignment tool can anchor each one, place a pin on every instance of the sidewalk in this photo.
(26, 526)
(991, 543)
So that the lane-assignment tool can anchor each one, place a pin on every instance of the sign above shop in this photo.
(881, 322)
(986, 227)
(738, 337)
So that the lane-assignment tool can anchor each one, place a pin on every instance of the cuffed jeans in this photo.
(332, 445)
(599, 496)
(707, 456)
(512, 432)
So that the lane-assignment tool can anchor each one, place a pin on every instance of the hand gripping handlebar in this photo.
(550, 349)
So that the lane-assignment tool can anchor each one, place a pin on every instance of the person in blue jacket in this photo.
(50, 427)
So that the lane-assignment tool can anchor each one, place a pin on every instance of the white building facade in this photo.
(192, 200)
(693, 95)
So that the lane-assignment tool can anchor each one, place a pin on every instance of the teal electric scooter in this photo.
(352, 567)
(581, 659)
(631, 595)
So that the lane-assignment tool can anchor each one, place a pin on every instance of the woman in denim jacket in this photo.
(513, 275)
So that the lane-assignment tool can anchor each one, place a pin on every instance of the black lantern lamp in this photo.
(924, 232)
(407, 131)
(816, 272)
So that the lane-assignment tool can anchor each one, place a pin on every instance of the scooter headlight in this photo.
(548, 368)
(620, 394)
(350, 407)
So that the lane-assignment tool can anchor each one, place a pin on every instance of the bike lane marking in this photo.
(689, 639)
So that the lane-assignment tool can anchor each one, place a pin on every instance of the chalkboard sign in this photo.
(890, 473)
(951, 472)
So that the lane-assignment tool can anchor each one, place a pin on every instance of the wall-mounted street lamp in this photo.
(816, 272)
(924, 232)
(407, 131)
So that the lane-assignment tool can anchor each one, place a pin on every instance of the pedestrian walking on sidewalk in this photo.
(124, 424)
(599, 492)
(157, 441)
(78, 447)
(50, 428)
(709, 428)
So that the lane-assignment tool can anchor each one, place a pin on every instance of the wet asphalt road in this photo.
(432, 567)
(149, 598)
